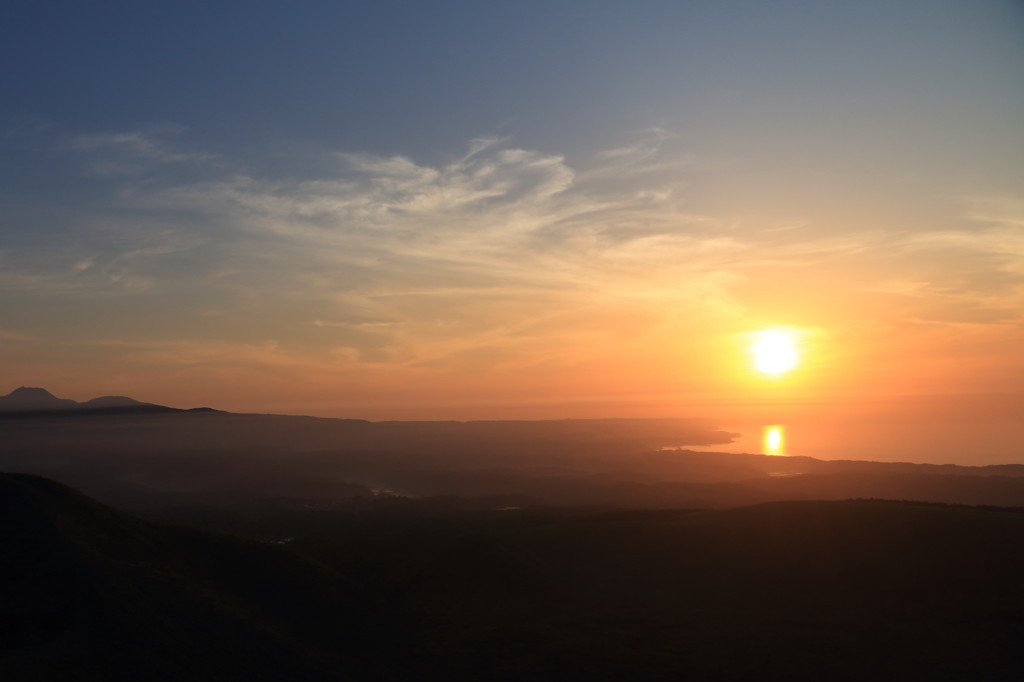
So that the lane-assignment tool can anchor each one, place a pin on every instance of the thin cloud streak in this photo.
(135, 152)
(497, 217)
(7, 335)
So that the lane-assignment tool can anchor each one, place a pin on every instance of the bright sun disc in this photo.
(775, 351)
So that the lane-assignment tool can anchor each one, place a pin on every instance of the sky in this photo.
(461, 210)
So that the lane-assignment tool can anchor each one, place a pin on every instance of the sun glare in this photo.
(774, 439)
(775, 351)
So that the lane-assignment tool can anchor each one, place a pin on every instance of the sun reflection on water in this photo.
(774, 440)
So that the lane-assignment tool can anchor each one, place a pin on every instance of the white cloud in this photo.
(456, 255)
(499, 208)
(134, 152)
(114, 260)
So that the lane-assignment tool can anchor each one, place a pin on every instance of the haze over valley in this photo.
(127, 451)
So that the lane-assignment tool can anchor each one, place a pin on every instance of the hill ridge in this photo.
(97, 594)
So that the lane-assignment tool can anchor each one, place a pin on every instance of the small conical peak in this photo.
(31, 392)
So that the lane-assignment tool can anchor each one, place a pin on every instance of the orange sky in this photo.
(584, 215)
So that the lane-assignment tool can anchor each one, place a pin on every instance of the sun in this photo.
(775, 351)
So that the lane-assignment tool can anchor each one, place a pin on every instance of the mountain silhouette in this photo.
(26, 399)
(94, 594)
(33, 400)
(112, 401)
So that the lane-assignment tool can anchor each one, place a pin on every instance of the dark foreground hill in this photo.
(842, 590)
(846, 590)
(93, 594)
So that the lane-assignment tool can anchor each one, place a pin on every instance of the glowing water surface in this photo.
(770, 439)
(774, 440)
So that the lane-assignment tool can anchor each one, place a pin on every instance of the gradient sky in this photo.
(511, 209)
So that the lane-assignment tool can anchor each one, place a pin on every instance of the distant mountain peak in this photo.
(27, 398)
(112, 401)
(35, 400)
(30, 392)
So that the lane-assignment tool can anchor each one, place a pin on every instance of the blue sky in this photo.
(422, 78)
(320, 206)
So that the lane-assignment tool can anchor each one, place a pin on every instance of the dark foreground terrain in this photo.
(400, 589)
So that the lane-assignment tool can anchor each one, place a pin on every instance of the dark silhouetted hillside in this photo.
(849, 590)
(94, 594)
(843, 590)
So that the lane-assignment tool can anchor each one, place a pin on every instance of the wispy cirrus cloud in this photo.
(476, 251)
(486, 209)
(136, 151)
(512, 255)
(971, 274)
(113, 261)
(7, 335)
